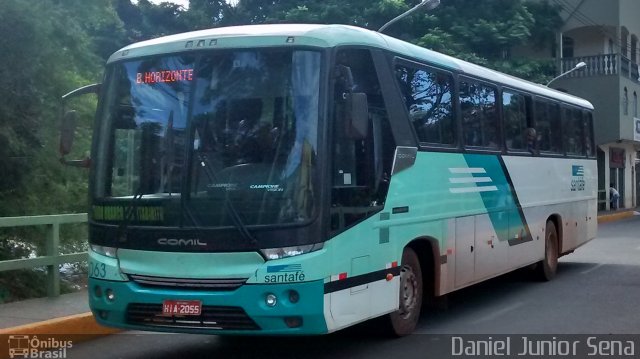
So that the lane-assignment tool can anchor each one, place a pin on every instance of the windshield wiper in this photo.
(168, 157)
(231, 209)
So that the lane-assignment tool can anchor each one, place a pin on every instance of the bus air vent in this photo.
(226, 284)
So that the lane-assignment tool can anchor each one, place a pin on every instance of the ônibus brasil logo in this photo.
(26, 346)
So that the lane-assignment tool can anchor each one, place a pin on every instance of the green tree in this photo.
(48, 58)
(145, 20)
(483, 32)
(487, 32)
(48, 48)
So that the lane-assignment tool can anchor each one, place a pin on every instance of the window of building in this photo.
(428, 97)
(635, 104)
(624, 42)
(479, 115)
(625, 102)
(611, 48)
(634, 49)
(567, 47)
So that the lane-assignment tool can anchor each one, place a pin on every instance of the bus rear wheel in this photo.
(404, 320)
(548, 267)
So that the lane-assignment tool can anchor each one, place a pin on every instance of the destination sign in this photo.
(117, 213)
(162, 76)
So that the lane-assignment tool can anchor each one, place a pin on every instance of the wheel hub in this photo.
(408, 288)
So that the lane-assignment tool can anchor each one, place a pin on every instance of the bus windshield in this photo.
(204, 133)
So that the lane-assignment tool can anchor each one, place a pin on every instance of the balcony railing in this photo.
(602, 65)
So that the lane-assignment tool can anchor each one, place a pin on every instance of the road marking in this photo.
(592, 268)
(498, 313)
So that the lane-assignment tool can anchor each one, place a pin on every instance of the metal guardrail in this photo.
(53, 258)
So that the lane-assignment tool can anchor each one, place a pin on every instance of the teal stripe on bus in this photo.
(499, 197)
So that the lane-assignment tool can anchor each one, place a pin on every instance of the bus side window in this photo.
(479, 115)
(572, 131)
(428, 98)
(514, 107)
(548, 126)
(361, 166)
(588, 130)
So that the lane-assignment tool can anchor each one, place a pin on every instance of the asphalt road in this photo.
(596, 291)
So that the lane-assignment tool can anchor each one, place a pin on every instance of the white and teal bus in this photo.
(299, 179)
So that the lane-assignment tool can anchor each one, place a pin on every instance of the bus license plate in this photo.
(181, 307)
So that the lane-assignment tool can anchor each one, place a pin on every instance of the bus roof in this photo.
(326, 36)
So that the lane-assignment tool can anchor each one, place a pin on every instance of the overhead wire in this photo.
(587, 21)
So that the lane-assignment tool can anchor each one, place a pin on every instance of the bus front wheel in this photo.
(404, 320)
(549, 265)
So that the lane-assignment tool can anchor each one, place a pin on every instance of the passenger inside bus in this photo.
(531, 137)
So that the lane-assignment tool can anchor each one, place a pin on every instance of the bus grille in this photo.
(189, 283)
(212, 317)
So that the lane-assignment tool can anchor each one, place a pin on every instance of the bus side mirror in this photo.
(357, 120)
(67, 132)
(68, 126)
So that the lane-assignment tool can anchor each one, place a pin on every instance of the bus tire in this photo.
(547, 268)
(404, 320)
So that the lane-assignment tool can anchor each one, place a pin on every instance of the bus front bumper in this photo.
(128, 305)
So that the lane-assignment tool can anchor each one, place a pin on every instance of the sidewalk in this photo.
(41, 309)
(66, 314)
(69, 313)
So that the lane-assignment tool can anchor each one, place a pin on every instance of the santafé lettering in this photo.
(180, 242)
(286, 277)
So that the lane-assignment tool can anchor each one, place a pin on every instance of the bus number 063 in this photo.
(97, 270)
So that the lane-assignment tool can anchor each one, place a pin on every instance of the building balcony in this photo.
(602, 65)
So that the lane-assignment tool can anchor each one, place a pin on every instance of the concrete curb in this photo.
(78, 324)
(74, 328)
(610, 217)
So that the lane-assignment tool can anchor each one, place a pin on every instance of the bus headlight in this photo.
(105, 251)
(284, 252)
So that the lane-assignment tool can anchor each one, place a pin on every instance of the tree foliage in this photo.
(53, 46)
(43, 59)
